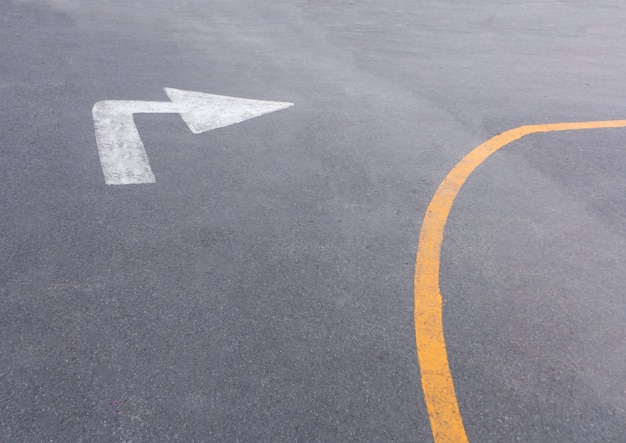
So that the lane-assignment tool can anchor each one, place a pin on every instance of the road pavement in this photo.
(261, 289)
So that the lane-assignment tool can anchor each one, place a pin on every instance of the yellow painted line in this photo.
(443, 409)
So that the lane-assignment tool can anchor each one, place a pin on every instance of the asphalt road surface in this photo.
(261, 289)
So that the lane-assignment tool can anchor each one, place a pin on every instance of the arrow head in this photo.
(203, 112)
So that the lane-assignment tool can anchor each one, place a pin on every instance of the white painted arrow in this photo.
(122, 154)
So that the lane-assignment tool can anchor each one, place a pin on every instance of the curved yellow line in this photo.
(443, 410)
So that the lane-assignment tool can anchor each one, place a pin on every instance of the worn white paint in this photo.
(122, 154)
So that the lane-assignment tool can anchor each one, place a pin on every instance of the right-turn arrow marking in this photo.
(122, 154)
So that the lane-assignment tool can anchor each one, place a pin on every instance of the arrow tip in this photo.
(203, 112)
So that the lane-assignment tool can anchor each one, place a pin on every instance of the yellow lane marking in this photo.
(443, 410)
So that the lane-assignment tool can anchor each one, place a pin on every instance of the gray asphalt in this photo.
(261, 289)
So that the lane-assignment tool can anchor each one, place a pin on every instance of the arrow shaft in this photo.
(138, 107)
(122, 154)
